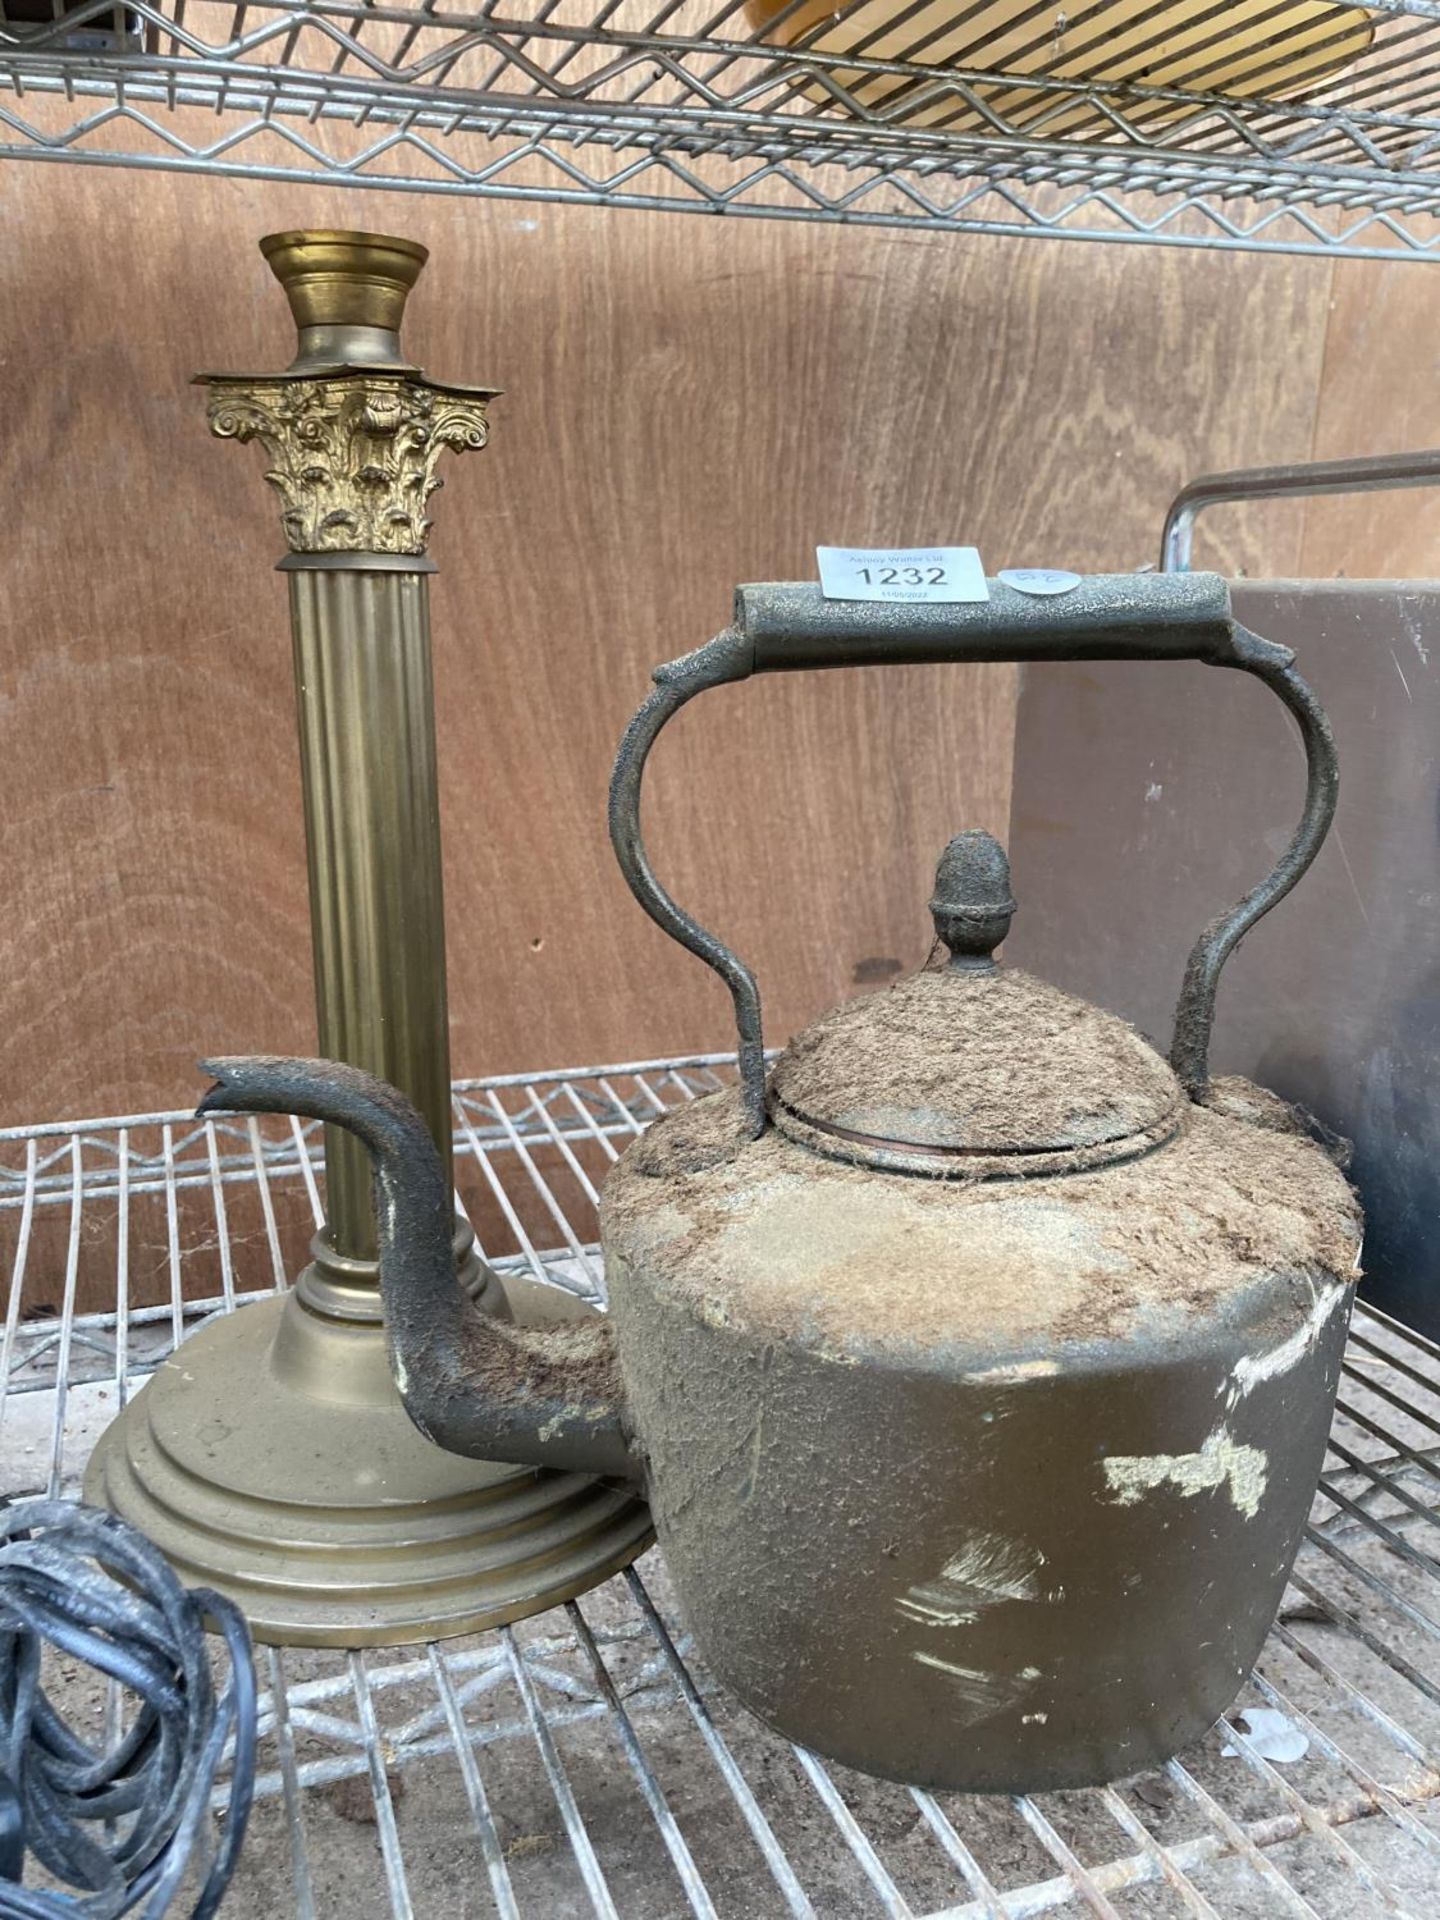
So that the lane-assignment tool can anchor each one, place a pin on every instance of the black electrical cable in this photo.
(118, 1823)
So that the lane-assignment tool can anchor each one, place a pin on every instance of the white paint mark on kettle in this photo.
(986, 1571)
(1411, 623)
(980, 1693)
(1221, 1462)
(1014, 1376)
(1256, 1367)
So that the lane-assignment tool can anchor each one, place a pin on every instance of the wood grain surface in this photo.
(1378, 394)
(688, 403)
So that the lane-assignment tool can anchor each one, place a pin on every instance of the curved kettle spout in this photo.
(540, 1396)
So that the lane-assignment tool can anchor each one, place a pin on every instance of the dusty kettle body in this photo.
(977, 1361)
(987, 1477)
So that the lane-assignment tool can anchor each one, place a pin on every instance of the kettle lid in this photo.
(971, 1071)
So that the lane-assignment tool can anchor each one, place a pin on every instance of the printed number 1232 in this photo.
(902, 576)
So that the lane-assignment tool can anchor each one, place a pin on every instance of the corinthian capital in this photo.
(352, 458)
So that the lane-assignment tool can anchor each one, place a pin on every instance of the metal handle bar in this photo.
(1367, 475)
(1108, 617)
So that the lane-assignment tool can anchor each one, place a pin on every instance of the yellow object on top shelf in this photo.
(1249, 50)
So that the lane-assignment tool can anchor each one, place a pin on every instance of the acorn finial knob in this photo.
(973, 905)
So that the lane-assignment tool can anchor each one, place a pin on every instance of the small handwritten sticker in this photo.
(1041, 581)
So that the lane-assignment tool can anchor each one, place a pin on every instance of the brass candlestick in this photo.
(270, 1457)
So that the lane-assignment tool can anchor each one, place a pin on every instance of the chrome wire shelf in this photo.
(683, 104)
(583, 1763)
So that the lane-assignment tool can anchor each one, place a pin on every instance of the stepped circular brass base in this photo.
(324, 1514)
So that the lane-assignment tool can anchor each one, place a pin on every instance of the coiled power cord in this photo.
(119, 1823)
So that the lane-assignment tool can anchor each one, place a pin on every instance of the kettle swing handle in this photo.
(781, 627)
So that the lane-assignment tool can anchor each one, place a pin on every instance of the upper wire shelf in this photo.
(1267, 125)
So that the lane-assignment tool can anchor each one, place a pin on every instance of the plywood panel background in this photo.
(1379, 394)
(688, 403)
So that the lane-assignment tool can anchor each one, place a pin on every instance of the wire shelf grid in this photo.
(1041, 121)
(582, 1763)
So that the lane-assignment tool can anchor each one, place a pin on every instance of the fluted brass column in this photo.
(271, 1458)
(372, 823)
